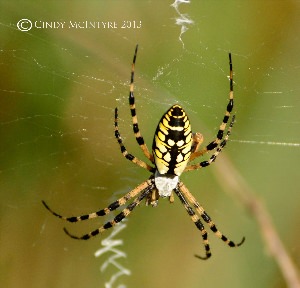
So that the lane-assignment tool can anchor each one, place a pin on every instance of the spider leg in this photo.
(197, 222)
(217, 152)
(206, 218)
(124, 151)
(212, 145)
(124, 213)
(136, 130)
(197, 141)
(106, 210)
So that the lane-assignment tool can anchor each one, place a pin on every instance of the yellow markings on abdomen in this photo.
(172, 142)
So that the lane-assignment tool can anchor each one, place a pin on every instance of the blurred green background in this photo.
(59, 87)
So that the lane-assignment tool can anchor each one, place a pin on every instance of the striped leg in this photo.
(145, 192)
(136, 130)
(197, 222)
(212, 145)
(191, 199)
(120, 202)
(217, 152)
(125, 152)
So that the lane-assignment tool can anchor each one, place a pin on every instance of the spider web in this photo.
(59, 86)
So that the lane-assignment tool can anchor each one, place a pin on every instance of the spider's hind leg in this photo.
(218, 140)
(138, 136)
(229, 108)
(216, 153)
(124, 151)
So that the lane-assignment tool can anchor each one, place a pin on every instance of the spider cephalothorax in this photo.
(174, 147)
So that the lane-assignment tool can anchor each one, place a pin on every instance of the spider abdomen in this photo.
(172, 142)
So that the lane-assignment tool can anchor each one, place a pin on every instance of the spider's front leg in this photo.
(123, 214)
(153, 197)
(191, 199)
(144, 189)
(197, 222)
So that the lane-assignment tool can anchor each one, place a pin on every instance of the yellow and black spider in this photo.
(174, 146)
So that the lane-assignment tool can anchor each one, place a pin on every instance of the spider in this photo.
(174, 147)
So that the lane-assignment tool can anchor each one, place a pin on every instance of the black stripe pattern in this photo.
(172, 142)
